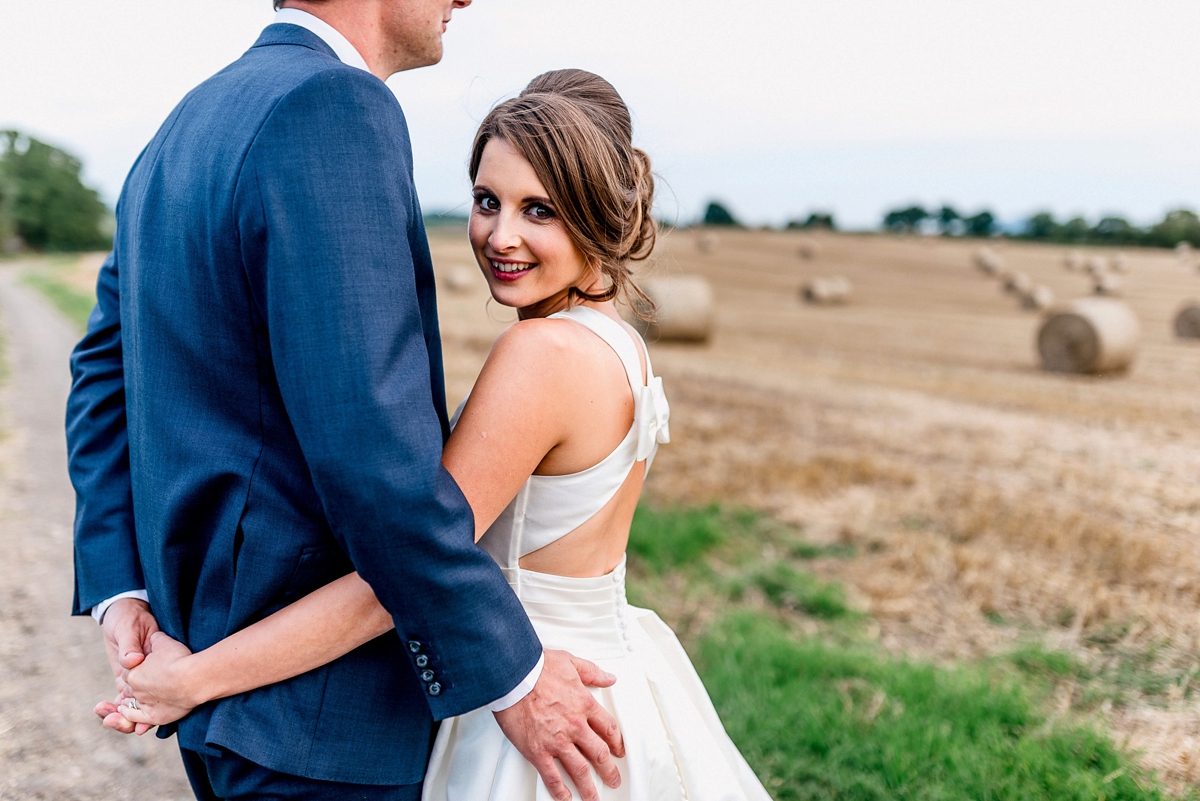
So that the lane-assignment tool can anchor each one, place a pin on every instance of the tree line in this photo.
(44, 204)
(1180, 225)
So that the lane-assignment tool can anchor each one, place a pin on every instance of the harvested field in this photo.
(989, 503)
(987, 506)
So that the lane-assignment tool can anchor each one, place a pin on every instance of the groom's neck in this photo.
(371, 26)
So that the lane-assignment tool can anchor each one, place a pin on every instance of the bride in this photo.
(551, 449)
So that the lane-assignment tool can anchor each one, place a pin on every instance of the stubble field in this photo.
(909, 563)
(973, 506)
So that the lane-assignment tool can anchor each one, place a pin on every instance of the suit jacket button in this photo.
(422, 660)
(414, 646)
(435, 689)
(426, 676)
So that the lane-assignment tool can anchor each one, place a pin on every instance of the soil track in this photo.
(53, 666)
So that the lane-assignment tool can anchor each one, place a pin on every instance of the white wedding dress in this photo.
(675, 745)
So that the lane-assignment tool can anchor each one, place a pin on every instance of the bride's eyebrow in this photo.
(543, 201)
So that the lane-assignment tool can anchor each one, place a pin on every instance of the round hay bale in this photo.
(809, 249)
(707, 241)
(1096, 265)
(1107, 284)
(1090, 335)
(1119, 263)
(685, 312)
(1040, 298)
(460, 278)
(1183, 251)
(1017, 283)
(827, 291)
(1073, 261)
(1187, 322)
(989, 261)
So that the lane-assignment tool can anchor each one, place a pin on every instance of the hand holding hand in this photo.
(128, 626)
(561, 720)
(160, 684)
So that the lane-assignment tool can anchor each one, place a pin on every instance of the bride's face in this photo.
(520, 243)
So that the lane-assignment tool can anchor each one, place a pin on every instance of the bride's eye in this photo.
(540, 212)
(487, 203)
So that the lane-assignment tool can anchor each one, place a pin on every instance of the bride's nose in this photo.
(505, 236)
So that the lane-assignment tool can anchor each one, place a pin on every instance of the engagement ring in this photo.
(131, 703)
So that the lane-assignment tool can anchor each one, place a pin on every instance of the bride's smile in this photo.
(519, 240)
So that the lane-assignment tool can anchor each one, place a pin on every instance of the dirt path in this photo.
(52, 666)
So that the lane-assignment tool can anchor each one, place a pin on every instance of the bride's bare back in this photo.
(556, 397)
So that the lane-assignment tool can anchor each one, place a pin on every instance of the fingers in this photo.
(130, 640)
(117, 722)
(138, 716)
(591, 675)
(597, 752)
(580, 771)
(553, 780)
(605, 726)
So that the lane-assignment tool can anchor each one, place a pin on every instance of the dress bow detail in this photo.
(653, 418)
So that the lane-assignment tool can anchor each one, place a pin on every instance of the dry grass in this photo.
(987, 502)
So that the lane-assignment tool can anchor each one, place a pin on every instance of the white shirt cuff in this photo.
(99, 609)
(521, 690)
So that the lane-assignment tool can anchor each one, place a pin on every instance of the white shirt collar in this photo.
(328, 34)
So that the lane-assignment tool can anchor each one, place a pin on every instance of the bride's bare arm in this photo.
(493, 451)
(317, 629)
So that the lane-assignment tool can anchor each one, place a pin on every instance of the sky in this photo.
(1084, 107)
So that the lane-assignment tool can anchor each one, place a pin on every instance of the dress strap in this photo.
(651, 411)
(614, 334)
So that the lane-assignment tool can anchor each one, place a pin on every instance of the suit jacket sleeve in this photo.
(106, 553)
(330, 223)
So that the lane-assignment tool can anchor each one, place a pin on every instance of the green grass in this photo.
(671, 538)
(786, 587)
(826, 721)
(75, 305)
(829, 715)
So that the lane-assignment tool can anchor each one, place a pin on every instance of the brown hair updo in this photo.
(576, 132)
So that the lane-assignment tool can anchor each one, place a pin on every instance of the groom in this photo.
(258, 409)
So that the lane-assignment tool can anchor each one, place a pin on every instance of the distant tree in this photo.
(8, 195)
(947, 216)
(814, 220)
(716, 214)
(1116, 231)
(1181, 225)
(904, 220)
(1075, 230)
(1042, 226)
(982, 224)
(51, 209)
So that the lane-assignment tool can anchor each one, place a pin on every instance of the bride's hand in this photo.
(158, 691)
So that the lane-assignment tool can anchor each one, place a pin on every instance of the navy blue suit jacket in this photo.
(258, 408)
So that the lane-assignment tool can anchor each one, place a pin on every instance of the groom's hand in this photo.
(128, 626)
(560, 719)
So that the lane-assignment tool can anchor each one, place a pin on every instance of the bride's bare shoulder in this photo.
(544, 342)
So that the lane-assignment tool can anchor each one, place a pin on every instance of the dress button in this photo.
(630, 646)
(435, 689)
(622, 624)
(414, 646)
(426, 676)
(422, 660)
